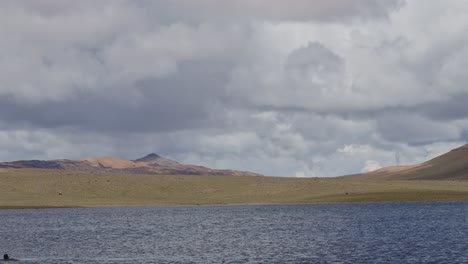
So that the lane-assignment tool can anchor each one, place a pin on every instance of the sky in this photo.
(284, 88)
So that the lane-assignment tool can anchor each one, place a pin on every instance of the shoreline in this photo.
(223, 205)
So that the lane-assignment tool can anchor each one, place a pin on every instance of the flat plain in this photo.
(37, 188)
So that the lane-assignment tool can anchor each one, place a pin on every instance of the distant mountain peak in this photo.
(156, 160)
(149, 164)
(149, 157)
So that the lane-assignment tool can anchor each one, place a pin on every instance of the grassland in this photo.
(35, 188)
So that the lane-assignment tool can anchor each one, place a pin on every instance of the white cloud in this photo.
(371, 165)
(310, 88)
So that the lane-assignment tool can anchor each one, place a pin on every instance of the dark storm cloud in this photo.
(275, 10)
(446, 109)
(414, 129)
(165, 104)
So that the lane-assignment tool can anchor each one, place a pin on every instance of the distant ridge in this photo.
(155, 159)
(149, 164)
(452, 165)
(149, 157)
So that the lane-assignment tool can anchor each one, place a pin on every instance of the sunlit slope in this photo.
(450, 166)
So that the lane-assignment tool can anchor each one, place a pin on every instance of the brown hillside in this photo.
(450, 166)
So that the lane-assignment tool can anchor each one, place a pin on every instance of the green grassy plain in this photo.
(36, 188)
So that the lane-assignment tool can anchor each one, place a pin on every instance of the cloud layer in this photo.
(310, 88)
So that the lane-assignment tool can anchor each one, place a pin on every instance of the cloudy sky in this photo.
(286, 88)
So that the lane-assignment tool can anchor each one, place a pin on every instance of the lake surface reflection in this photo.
(346, 233)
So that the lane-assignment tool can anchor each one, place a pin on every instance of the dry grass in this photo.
(54, 188)
(452, 165)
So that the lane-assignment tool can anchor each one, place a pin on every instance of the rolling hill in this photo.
(150, 164)
(450, 166)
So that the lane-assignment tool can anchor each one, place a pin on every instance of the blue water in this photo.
(347, 233)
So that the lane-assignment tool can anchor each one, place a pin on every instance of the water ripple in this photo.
(352, 233)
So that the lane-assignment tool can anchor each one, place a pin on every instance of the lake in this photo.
(332, 233)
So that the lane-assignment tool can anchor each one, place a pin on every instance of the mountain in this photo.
(150, 164)
(449, 166)
(155, 159)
